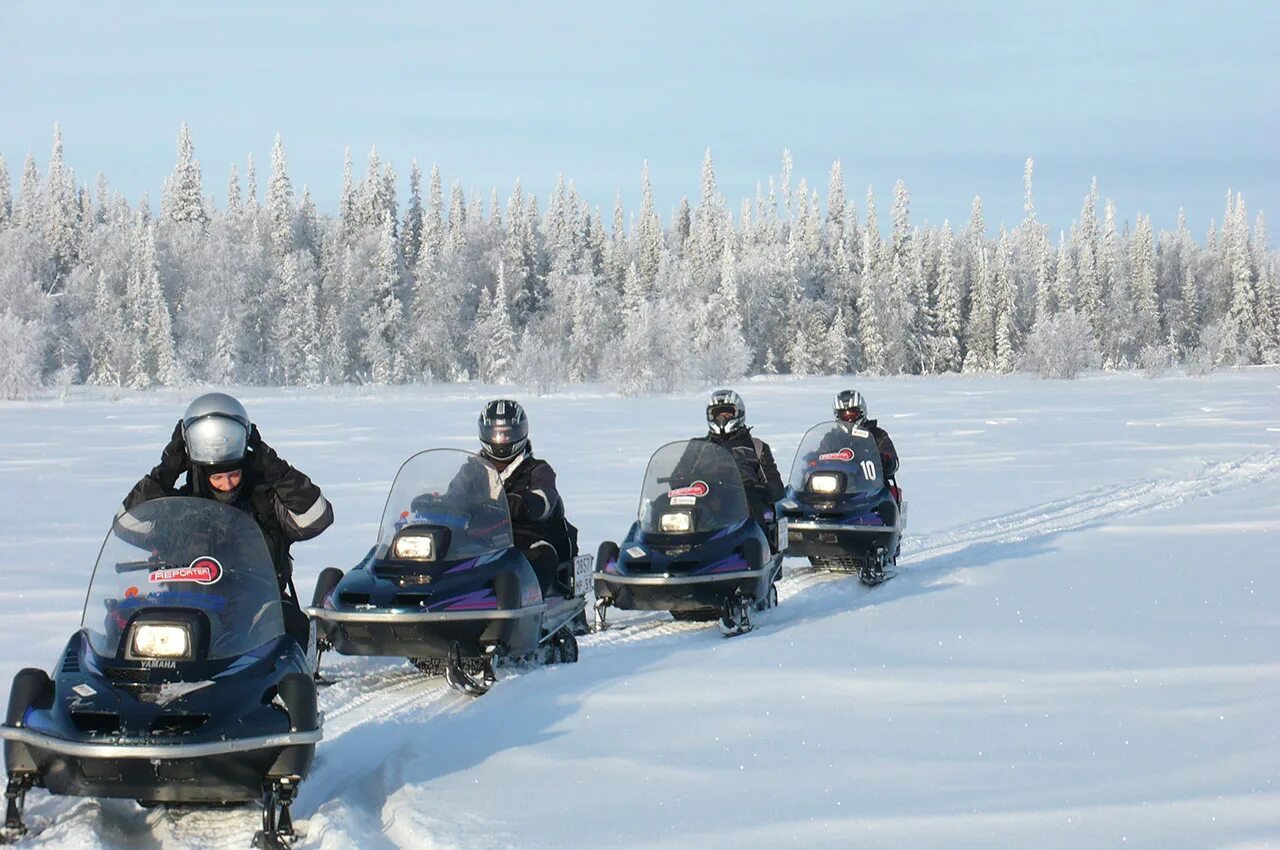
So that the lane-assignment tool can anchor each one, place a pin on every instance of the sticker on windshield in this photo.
(684, 500)
(858, 432)
(696, 489)
(843, 454)
(203, 570)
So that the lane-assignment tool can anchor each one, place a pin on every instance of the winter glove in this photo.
(515, 504)
(263, 459)
(173, 460)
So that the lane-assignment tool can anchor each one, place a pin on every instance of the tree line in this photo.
(265, 289)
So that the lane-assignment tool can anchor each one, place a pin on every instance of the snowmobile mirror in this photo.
(826, 483)
(421, 543)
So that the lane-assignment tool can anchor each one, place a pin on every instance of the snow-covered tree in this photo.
(6, 197)
(184, 200)
(382, 319)
(280, 207)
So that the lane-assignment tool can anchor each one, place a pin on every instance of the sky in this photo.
(1168, 104)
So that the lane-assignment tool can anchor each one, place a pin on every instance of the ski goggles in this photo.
(849, 414)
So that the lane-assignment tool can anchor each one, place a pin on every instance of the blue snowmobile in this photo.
(186, 683)
(694, 550)
(445, 585)
(841, 512)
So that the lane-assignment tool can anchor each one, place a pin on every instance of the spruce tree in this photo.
(185, 198)
(948, 354)
(1088, 275)
(6, 198)
(280, 208)
(28, 212)
(1142, 274)
(1005, 292)
(348, 213)
(836, 204)
(383, 318)
(649, 247)
(411, 230)
(1243, 337)
(234, 204)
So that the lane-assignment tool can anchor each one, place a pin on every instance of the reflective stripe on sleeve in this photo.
(311, 515)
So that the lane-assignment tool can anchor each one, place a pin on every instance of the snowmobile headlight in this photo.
(415, 547)
(161, 640)
(829, 482)
(676, 523)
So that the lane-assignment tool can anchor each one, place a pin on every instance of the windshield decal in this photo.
(696, 489)
(203, 570)
(843, 454)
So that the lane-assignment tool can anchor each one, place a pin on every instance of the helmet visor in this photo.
(849, 414)
(722, 412)
(216, 440)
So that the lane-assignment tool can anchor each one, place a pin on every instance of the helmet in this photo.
(504, 429)
(726, 412)
(216, 430)
(850, 407)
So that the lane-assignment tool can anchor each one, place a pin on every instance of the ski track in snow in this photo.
(349, 812)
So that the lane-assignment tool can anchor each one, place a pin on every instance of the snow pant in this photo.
(544, 559)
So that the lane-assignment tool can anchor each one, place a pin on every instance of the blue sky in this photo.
(1169, 104)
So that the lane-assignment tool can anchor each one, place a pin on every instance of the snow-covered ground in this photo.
(1082, 647)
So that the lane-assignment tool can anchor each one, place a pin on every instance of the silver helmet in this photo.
(216, 430)
(726, 412)
(850, 407)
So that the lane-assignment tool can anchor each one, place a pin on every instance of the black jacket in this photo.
(537, 511)
(888, 454)
(755, 464)
(287, 506)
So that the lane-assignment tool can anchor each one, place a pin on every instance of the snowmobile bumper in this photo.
(426, 634)
(206, 771)
(817, 539)
(681, 592)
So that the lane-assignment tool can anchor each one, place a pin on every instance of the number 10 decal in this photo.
(869, 470)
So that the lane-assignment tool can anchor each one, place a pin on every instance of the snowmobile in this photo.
(695, 549)
(446, 585)
(841, 511)
(187, 682)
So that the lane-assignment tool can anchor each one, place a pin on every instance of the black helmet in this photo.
(850, 407)
(726, 412)
(504, 429)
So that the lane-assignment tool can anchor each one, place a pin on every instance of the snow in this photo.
(1082, 647)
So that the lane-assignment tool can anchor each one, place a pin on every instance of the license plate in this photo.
(782, 534)
(583, 566)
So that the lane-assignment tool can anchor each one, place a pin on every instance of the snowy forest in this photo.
(435, 288)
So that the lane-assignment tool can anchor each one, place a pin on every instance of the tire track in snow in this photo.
(1093, 507)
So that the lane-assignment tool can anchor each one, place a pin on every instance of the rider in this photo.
(224, 458)
(541, 531)
(726, 426)
(851, 408)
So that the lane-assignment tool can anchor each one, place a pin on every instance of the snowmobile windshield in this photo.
(834, 459)
(691, 487)
(445, 489)
(192, 557)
